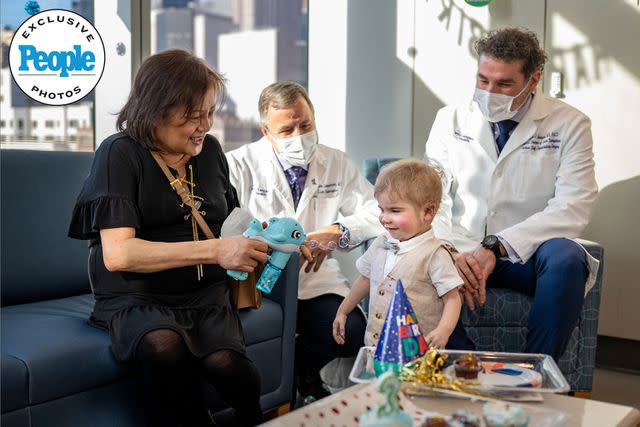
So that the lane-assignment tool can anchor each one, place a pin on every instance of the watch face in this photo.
(489, 241)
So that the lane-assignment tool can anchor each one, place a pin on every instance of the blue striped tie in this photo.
(505, 127)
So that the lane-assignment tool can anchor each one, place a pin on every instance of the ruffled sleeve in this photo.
(108, 198)
(103, 212)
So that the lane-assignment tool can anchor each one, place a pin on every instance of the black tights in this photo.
(173, 376)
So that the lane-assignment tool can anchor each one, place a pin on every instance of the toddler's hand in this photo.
(437, 338)
(338, 327)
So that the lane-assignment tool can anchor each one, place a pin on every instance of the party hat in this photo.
(401, 339)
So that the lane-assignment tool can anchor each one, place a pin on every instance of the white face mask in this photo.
(297, 150)
(496, 107)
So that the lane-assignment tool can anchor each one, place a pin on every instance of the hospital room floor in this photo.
(618, 387)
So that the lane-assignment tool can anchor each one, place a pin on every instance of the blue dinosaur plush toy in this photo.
(284, 236)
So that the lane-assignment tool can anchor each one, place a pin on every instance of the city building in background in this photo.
(251, 42)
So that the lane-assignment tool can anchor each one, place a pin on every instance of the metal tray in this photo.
(552, 379)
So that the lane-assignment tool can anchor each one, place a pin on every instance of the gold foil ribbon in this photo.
(427, 371)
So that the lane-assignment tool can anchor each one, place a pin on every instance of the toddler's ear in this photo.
(429, 212)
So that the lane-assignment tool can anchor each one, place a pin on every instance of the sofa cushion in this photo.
(15, 384)
(61, 354)
(38, 261)
(61, 351)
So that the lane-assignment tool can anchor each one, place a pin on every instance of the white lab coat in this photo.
(542, 185)
(334, 186)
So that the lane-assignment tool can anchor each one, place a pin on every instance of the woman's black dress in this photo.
(127, 188)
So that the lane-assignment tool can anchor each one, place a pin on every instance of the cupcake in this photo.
(499, 414)
(467, 367)
(435, 422)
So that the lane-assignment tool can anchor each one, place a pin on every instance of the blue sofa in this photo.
(501, 325)
(57, 370)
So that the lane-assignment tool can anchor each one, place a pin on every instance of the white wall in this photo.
(360, 88)
(595, 45)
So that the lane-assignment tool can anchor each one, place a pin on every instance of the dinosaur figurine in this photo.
(284, 236)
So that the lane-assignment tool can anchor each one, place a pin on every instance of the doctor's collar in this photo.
(523, 109)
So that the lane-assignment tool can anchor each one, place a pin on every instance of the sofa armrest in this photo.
(588, 324)
(285, 292)
(594, 249)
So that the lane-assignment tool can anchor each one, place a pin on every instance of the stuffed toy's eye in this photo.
(295, 234)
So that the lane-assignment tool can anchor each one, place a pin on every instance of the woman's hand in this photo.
(338, 327)
(240, 253)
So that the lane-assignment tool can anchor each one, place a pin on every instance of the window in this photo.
(253, 43)
(73, 123)
(49, 124)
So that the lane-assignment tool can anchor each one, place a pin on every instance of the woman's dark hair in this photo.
(165, 81)
(513, 44)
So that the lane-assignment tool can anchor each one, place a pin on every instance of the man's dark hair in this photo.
(165, 81)
(513, 44)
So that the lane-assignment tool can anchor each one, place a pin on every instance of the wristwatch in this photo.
(345, 238)
(492, 243)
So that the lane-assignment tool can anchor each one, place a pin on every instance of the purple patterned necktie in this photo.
(294, 176)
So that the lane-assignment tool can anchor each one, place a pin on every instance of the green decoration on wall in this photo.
(478, 3)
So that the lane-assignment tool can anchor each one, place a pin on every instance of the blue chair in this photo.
(371, 167)
(501, 325)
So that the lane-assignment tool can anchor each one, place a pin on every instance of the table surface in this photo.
(582, 412)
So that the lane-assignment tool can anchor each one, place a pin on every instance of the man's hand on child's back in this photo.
(471, 273)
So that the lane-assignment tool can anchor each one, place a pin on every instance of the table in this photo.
(339, 409)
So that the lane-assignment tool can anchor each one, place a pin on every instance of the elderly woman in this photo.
(160, 287)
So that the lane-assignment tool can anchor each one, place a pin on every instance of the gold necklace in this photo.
(197, 202)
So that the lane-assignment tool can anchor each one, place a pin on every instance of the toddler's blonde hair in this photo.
(410, 180)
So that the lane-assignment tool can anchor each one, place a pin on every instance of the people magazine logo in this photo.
(56, 57)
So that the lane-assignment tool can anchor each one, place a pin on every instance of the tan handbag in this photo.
(243, 293)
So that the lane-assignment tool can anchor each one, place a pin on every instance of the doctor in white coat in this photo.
(520, 184)
(287, 173)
